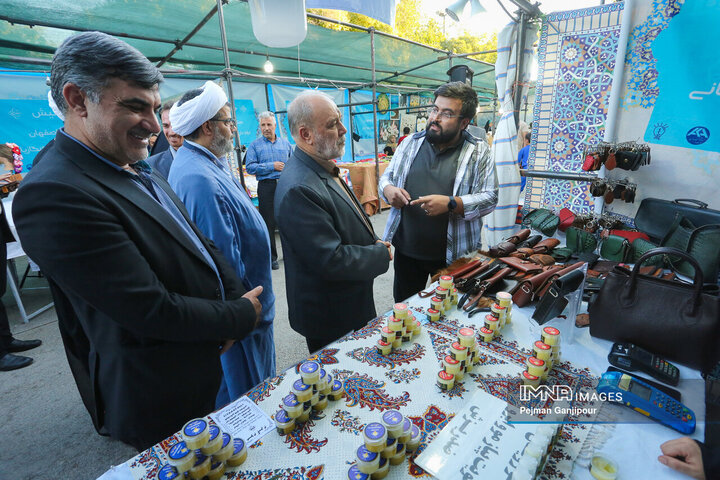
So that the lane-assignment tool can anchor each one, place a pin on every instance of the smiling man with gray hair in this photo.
(332, 254)
(266, 157)
(144, 300)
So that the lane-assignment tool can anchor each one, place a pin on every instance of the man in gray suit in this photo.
(162, 161)
(332, 254)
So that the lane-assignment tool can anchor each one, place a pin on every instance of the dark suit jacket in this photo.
(162, 162)
(138, 306)
(331, 257)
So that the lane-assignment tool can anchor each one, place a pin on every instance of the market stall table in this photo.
(405, 380)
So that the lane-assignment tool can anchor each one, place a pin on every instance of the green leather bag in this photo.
(615, 248)
(640, 247)
(580, 241)
(702, 243)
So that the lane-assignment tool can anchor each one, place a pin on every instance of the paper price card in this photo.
(477, 443)
(243, 419)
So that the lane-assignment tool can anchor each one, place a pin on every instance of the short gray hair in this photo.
(91, 59)
(266, 115)
(300, 111)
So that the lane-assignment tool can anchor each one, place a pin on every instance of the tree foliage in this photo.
(412, 23)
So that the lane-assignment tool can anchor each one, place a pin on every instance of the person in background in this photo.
(332, 254)
(265, 158)
(151, 141)
(162, 161)
(390, 146)
(440, 184)
(221, 208)
(406, 132)
(9, 344)
(145, 302)
(523, 158)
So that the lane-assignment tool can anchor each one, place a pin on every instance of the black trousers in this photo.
(411, 274)
(5, 334)
(315, 344)
(266, 201)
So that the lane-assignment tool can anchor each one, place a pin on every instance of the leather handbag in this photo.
(580, 241)
(631, 235)
(530, 242)
(702, 243)
(542, 290)
(615, 248)
(502, 249)
(562, 254)
(640, 247)
(523, 266)
(542, 220)
(523, 253)
(554, 302)
(525, 291)
(676, 320)
(567, 217)
(546, 245)
(655, 216)
(542, 259)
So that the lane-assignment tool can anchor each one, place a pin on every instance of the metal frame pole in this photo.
(350, 124)
(374, 102)
(228, 77)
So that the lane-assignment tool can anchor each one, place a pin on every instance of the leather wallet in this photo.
(524, 266)
(542, 259)
(554, 302)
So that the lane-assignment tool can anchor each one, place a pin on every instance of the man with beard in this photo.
(440, 183)
(160, 162)
(332, 254)
(144, 300)
(220, 207)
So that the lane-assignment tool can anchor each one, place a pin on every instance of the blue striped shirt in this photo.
(262, 154)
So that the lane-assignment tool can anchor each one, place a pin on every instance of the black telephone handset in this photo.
(633, 358)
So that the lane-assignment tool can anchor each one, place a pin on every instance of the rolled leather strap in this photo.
(477, 269)
(524, 293)
(530, 242)
(502, 249)
(485, 285)
(544, 288)
(465, 268)
(519, 237)
(522, 253)
(524, 266)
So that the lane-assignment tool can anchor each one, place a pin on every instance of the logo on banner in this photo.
(697, 135)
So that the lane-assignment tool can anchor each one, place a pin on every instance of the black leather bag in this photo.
(655, 216)
(554, 301)
(676, 320)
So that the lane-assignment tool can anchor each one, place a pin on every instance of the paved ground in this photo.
(47, 432)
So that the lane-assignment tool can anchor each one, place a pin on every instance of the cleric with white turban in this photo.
(186, 118)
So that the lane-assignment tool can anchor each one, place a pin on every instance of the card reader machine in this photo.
(648, 400)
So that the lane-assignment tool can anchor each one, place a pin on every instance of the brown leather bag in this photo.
(520, 236)
(544, 288)
(523, 266)
(523, 253)
(542, 259)
(546, 245)
(524, 294)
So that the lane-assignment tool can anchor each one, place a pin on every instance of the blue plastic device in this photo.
(647, 400)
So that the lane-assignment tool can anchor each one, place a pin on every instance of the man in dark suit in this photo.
(162, 161)
(144, 300)
(332, 254)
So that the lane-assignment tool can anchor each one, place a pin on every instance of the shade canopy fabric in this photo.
(160, 30)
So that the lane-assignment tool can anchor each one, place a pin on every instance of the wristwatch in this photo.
(452, 204)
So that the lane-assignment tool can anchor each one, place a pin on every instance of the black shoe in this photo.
(22, 345)
(275, 265)
(13, 362)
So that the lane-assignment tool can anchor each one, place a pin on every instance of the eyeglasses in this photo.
(434, 110)
(229, 122)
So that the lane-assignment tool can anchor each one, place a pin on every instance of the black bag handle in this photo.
(698, 203)
(697, 280)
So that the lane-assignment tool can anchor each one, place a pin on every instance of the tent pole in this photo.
(228, 78)
(350, 123)
(188, 36)
(374, 102)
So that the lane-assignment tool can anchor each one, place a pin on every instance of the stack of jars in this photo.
(546, 353)
(463, 355)
(445, 298)
(401, 327)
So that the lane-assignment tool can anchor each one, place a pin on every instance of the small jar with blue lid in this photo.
(217, 470)
(414, 441)
(202, 466)
(168, 472)
(321, 404)
(367, 461)
(382, 470)
(196, 433)
(375, 436)
(181, 457)
(337, 390)
(283, 423)
(399, 456)
(214, 443)
(389, 449)
(239, 453)
(393, 422)
(407, 431)
(310, 372)
(354, 473)
(292, 407)
(302, 391)
(226, 449)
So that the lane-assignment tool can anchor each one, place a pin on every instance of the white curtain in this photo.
(501, 222)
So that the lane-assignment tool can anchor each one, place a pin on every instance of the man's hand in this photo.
(5, 176)
(432, 204)
(253, 295)
(279, 166)
(389, 247)
(684, 455)
(397, 197)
